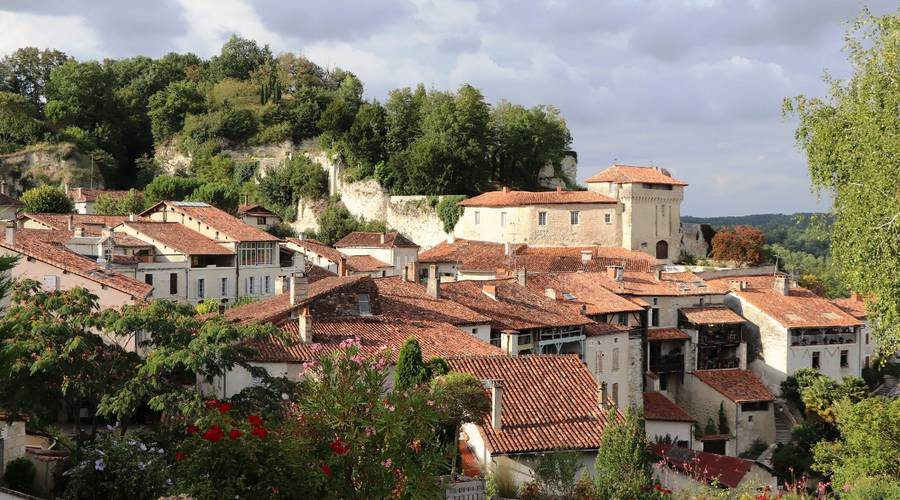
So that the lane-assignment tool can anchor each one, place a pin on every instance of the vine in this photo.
(449, 211)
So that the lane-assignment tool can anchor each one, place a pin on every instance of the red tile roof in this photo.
(800, 309)
(646, 284)
(82, 195)
(278, 307)
(8, 201)
(229, 226)
(405, 299)
(658, 407)
(549, 402)
(853, 307)
(663, 334)
(33, 243)
(738, 385)
(366, 264)
(375, 333)
(725, 470)
(584, 289)
(179, 238)
(519, 198)
(92, 224)
(625, 174)
(319, 248)
(255, 210)
(598, 329)
(470, 255)
(315, 273)
(711, 315)
(514, 308)
(360, 239)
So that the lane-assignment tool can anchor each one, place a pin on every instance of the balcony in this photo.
(817, 339)
(719, 338)
(667, 363)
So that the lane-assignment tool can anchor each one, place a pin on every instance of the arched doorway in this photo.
(662, 249)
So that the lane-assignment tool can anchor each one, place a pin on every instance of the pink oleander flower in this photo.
(387, 463)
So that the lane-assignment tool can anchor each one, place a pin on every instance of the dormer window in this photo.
(365, 308)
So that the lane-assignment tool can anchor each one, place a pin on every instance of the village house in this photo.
(258, 216)
(337, 262)
(539, 404)
(679, 469)
(666, 422)
(391, 248)
(84, 199)
(868, 346)
(650, 201)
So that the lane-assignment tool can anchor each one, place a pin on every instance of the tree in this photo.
(411, 370)
(27, 72)
(47, 199)
(238, 58)
(555, 473)
(623, 459)
(168, 107)
(20, 121)
(850, 141)
(739, 243)
(298, 178)
(525, 141)
(792, 386)
(822, 394)
(723, 420)
(869, 443)
(222, 195)
(131, 203)
(365, 141)
(337, 222)
(167, 187)
(459, 398)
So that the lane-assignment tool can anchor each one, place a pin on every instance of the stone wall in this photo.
(548, 178)
(56, 164)
(692, 241)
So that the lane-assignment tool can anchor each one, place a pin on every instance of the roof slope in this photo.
(8, 201)
(405, 299)
(740, 386)
(625, 174)
(728, 471)
(360, 239)
(711, 315)
(852, 306)
(223, 222)
(658, 407)
(319, 248)
(82, 195)
(91, 223)
(584, 289)
(180, 238)
(664, 334)
(277, 307)
(254, 210)
(549, 402)
(507, 198)
(366, 263)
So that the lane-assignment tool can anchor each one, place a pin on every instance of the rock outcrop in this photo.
(45, 163)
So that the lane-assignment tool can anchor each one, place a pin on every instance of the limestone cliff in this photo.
(47, 163)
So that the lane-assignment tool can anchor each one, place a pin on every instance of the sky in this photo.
(693, 86)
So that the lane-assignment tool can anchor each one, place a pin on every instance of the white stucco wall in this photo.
(679, 431)
(600, 356)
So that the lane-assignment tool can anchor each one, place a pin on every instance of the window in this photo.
(477, 217)
(654, 316)
(148, 279)
(615, 393)
(815, 361)
(256, 253)
(615, 360)
(755, 406)
(573, 217)
(845, 359)
(599, 362)
(623, 319)
(701, 301)
(224, 289)
(363, 300)
(173, 284)
(542, 218)
(749, 418)
(655, 301)
(474, 331)
(260, 221)
(607, 218)
(495, 337)
(201, 288)
(523, 339)
(267, 284)
(502, 219)
(251, 285)
(867, 339)
(663, 382)
(866, 365)
(662, 209)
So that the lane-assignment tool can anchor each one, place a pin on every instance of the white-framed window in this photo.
(251, 285)
(573, 217)
(502, 219)
(607, 218)
(260, 221)
(201, 288)
(542, 218)
(224, 287)
(477, 217)
(267, 284)
(364, 306)
(256, 253)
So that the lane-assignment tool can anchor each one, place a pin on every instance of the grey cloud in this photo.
(345, 20)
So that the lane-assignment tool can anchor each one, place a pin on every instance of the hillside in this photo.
(801, 232)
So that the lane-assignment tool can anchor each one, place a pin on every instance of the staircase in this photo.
(783, 426)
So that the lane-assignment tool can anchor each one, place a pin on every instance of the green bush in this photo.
(411, 370)
(47, 199)
(449, 211)
(19, 475)
(221, 195)
(871, 488)
(167, 187)
(236, 125)
(281, 230)
(131, 203)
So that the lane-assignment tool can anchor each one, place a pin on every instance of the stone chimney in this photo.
(737, 285)
(299, 288)
(305, 326)
(490, 291)
(497, 404)
(782, 284)
(522, 276)
(582, 309)
(3, 186)
(11, 232)
(657, 273)
(411, 272)
(506, 248)
(559, 188)
(282, 285)
(70, 222)
(381, 238)
(856, 296)
(434, 282)
(615, 273)
(132, 217)
(603, 396)
(505, 189)
(342, 266)
(550, 293)
(586, 256)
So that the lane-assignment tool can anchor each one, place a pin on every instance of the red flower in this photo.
(214, 434)
(275, 490)
(325, 469)
(254, 420)
(179, 456)
(339, 447)
(259, 432)
(212, 403)
(234, 434)
(224, 407)
(192, 429)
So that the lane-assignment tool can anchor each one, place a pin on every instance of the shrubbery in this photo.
(47, 199)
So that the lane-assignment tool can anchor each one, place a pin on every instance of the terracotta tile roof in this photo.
(33, 243)
(405, 299)
(549, 402)
(318, 247)
(735, 384)
(229, 226)
(800, 309)
(711, 315)
(646, 284)
(470, 255)
(658, 407)
(366, 264)
(179, 238)
(254, 210)
(519, 198)
(583, 289)
(315, 273)
(277, 307)
(725, 470)
(625, 174)
(515, 307)
(92, 224)
(662, 334)
(468, 462)
(375, 333)
(82, 195)
(8, 201)
(597, 329)
(853, 307)
(360, 239)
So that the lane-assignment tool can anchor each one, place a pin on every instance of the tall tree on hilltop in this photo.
(851, 142)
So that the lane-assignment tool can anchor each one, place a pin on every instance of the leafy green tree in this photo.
(365, 141)
(131, 203)
(525, 141)
(555, 473)
(850, 140)
(19, 475)
(297, 178)
(47, 199)
(27, 72)
(403, 117)
(335, 222)
(411, 370)
(20, 121)
(823, 393)
(167, 187)
(221, 195)
(792, 387)
(869, 443)
(168, 107)
(459, 398)
(449, 211)
(238, 58)
(623, 459)
(338, 116)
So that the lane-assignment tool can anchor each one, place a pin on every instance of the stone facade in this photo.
(346, 303)
(12, 438)
(597, 224)
(693, 242)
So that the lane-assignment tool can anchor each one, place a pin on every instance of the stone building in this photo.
(391, 247)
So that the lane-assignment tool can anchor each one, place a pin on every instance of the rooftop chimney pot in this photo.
(586, 256)
(505, 189)
(434, 282)
(305, 326)
(490, 291)
(603, 396)
(782, 285)
(299, 288)
(506, 248)
(11, 232)
(70, 222)
(382, 238)
(497, 404)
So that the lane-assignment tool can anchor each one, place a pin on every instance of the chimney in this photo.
(78, 192)
(506, 248)
(305, 326)
(559, 188)
(603, 396)
(411, 272)
(586, 256)
(342, 266)
(282, 285)
(299, 288)
(11, 232)
(70, 224)
(497, 404)
(434, 282)
(132, 217)
(78, 232)
(3, 186)
(614, 272)
(522, 276)
(490, 291)
(782, 284)
(505, 189)
(657, 273)
(381, 238)
(856, 296)
(582, 309)
(550, 293)
(221, 308)
(737, 285)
